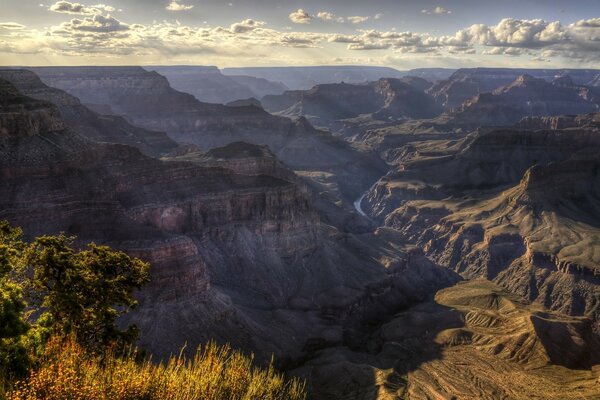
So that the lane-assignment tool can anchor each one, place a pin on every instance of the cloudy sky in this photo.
(398, 33)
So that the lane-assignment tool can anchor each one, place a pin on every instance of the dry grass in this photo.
(66, 372)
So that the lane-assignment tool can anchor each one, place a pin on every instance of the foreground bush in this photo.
(67, 371)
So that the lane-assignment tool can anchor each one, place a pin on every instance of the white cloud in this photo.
(358, 19)
(574, 44)
(97, 23)
(325, 15)
(175, 6)
(67, 7)
(11, 26)
(246, 25)
(438, 10)
(300, 17)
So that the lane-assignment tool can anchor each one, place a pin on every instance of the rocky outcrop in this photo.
(467, 83)
(475, 340)
(209, 85)
(561, 122)
(385, 98)
(99, 128)
(487, 160)
(146, 99)
(304, 78)
(23, 116)
(252, 101)
(238, 253)
(526, 96)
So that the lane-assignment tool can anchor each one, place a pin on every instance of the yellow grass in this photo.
(66, 372)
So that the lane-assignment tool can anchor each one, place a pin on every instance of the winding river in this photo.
(358, 207)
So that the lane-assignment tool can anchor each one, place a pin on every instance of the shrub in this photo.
(68, 371)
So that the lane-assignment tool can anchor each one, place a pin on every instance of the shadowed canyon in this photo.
(382, 234)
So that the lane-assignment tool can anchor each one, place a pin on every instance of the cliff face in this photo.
(146, 99)
(516, 207)
(467, 83)
(492, 159)
(238, 254)
(535, 239)
(561, 122)
(475, 340)
(526, 96)
(25, 116)
(208, 84)
(99, 128)
(385, 98)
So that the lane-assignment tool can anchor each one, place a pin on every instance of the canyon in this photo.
(427, 234)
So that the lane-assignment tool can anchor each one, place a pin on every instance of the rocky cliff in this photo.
(516, 207)
(145, 99)
(526, 96)
(473, 341)
(467, 83)
(237, 255)
(99, 128)
(384, 99)
(208, 84)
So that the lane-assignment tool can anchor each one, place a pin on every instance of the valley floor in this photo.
(475, 340)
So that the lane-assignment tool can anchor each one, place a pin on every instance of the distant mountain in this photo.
(526, 96)
(383, 99)
(252, 101)
(99, 128)
(145, 99)
(431, 74)
(468, 82)
(208, 84)
(302, 78)
(258, 86)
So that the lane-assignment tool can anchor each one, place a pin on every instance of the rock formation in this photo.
(474, 341)
(525, 97)
(145, 99)
(237, 255)
(303, 78)
(467, 83)
(474, 273)
(383, 99)
(208, 84)
(100, 128)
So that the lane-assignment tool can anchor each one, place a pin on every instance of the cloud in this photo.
(97, 23)
(358, 19)
(66, 7)
(368, 46)
(11, 26)
(438, 10)
(104, 35)
(175, 6)
(327, 16)
(300, 17)
(246, 25)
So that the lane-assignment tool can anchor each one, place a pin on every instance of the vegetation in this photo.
(59, 338)
(69, 372)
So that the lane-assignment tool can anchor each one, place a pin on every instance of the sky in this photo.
(402, 34)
